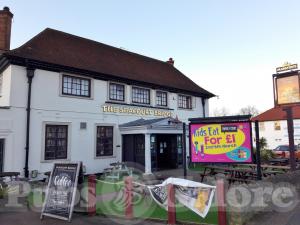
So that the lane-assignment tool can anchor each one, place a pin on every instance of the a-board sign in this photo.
(225, 142)
(60, 194)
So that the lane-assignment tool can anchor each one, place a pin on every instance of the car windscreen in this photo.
(282, 148)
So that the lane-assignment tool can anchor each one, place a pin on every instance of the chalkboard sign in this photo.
(60, 195)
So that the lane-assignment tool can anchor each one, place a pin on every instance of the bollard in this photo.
(171, 205)
(128, 198)
(221, 202)
(92, 195)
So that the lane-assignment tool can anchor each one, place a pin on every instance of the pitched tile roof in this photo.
(59, 48)
(277, 113)
(143, 122)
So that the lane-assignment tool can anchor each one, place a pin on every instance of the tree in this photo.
(263, 143)
(249, 110)
(221, 112)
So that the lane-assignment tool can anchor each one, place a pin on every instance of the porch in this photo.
(152, 145)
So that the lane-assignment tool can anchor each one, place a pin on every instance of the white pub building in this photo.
(67, 98)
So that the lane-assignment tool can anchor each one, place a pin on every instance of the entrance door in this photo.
(134, 149)
(139, 147)
(1, 155)
(166, 151)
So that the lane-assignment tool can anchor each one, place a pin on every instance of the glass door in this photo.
(179, 151)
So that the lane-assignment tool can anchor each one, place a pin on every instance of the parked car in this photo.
(283, 151)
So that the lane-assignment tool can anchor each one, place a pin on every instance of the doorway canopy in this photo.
(147, 153)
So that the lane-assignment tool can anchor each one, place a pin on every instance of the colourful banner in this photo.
(195, 196)
(221, 143)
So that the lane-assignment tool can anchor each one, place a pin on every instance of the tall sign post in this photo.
(258, 162)
(286, 83)
(184, 149)
(290, 126)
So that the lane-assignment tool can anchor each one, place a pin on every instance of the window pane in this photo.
(184, 102)
(116, 92)
(104, 141)
(161, 98)
(141, 95)
(56, 142)
(76, 86)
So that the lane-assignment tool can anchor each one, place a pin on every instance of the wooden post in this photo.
(92, 199)
(184, 149)
(290, 126)
(257, 140)
(221, 202)
(171, 205)
(128, 198)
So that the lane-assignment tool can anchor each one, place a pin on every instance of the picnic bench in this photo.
(243, 173)
(11, 175)
(117, 170)
(279, 161)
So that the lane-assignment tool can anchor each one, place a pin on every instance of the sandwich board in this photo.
(61, 191)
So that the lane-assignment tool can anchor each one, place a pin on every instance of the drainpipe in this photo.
(30, 75)
(203, 106)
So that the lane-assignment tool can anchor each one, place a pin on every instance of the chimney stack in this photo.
(171, 61)
(5, 29)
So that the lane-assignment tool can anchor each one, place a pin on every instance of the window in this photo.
(76, 86)
(141, 95)
(104, 145)
(56, 142)
(262, 126)
(277, 125)
(161, 98)
(184, 102)
(116, 92)
(1, 84)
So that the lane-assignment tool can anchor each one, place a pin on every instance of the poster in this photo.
(221, 143)
(61, 191)
(288, 89)
(195, 196)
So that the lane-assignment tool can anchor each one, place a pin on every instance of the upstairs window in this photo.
(161, 98)
(1, 84)
(76, 86)
(116, 92)
(277, 125)
(262, 126)
(141, 95)
(184, 102)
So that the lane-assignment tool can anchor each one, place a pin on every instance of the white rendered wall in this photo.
(48, 106)
(279, 137)
(6, 88)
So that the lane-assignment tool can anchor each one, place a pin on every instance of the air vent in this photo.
(83, 126)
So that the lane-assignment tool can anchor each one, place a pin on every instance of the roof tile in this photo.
(59, 48)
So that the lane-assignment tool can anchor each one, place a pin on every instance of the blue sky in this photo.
(228, 47)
